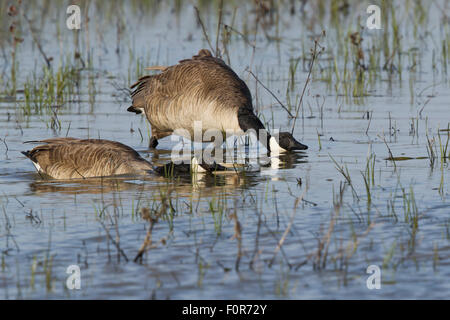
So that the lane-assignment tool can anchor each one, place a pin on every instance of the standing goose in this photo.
(204, 89)
(71, 158)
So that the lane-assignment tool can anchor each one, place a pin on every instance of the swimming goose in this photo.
(204, 89)
(71, 158)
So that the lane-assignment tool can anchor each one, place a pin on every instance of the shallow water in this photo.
(46, 226)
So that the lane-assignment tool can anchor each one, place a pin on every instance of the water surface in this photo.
(307, 232)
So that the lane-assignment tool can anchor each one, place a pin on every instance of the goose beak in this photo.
(298, 146)
(289, 143)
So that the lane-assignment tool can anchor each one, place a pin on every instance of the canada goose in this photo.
(203, 89)
(70, 158)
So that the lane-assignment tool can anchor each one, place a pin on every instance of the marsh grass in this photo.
(343, 170)
(369, 177)
(252, 224)
(217, 208)
(46, 93)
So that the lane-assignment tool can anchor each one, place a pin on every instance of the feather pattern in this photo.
(202, 88)
(68, 158)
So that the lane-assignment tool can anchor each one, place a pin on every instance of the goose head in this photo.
(286, 142)
(197, 167)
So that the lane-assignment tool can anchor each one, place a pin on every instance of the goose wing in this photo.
(203, 77)
(67, 158)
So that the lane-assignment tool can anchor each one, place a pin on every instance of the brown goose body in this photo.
(70, 158)
(202, 88)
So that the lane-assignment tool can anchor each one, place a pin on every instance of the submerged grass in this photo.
(251, 224)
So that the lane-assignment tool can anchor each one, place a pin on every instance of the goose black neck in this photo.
(249, 121)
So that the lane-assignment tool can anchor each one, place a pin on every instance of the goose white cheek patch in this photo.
(195, 166)
(274, 146)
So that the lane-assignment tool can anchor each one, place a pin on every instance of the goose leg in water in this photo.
(153, 143)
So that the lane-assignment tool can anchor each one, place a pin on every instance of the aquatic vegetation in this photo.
(372, 189)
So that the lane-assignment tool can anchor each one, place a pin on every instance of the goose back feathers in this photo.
(68, 158)
(202, 88)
